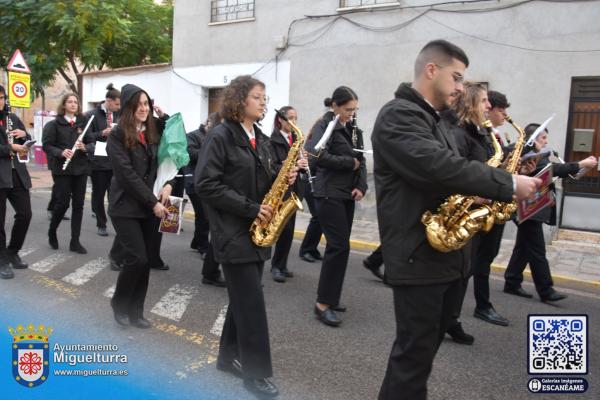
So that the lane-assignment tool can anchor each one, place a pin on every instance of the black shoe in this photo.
(163, 267)
(490, 315)
(327, 316)
(6, 272)
(261, 388)
(219, 281)
(278, 276)
(65, 218)
(102, 232)
(459, 336)
(140, 322)
(317, 256)
(287, 273)
(518, 291)
(308, 257)
(374, 269)
(52, 239)
(15, 261)
(554, 296)
(121, 317)
(114, 265)
(339, 308)
(77, 248)
(234, 367)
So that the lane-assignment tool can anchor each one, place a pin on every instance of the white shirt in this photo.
(249, 133)
(286, 136)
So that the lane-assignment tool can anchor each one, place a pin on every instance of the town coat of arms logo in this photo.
(30, 354)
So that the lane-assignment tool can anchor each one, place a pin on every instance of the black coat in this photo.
(7, 159)
(417, 165)
(232, 179)
(100, 122)
(59, 135)
(134, 173)
(280, 148)
(195, 140)
(472, 142)
(334, 174)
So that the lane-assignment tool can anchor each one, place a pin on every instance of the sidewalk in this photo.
(572, 258)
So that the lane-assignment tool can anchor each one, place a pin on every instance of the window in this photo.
(231, 10)
(366, 3)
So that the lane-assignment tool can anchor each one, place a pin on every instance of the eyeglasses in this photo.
(265, 99)
(458, 78)
(350, 109)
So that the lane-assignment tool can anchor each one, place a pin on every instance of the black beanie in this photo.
(128, 91)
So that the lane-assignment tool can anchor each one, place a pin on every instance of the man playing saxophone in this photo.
(417, 166)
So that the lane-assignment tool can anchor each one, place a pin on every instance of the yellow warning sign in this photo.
(18, 85)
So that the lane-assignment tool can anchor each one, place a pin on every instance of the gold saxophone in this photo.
(504, 211)
(454, 224)
(266, 234)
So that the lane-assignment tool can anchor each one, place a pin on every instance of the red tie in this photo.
(142, 137)
(72, 122)
(291, 139)
(109, 119)
(253, 143)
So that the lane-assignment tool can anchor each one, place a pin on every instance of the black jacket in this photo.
(134, 173)
(472, 142)
(280, 148)
(100, 122)
(334, 174)
(8, 160)
(195, 140)
(417, 165)
(232, 179)
(59, 135)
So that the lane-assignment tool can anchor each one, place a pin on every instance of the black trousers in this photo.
(210, 267)
(335, 217)
(69, 188)
(283, 245)
(100, 187)
(135, 238)
(201, 227)
(313, 230)
(489, 246)
(245, 331)
(20, 201)
(117, 250)
(375, 258)
(529, 248)
(155, 259)
(422, 316)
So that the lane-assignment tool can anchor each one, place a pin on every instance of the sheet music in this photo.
(100, 149)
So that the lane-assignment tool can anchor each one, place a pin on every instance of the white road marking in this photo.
(47, 264)
(27, 251)
(86, 272)
(110, 291)
(217, 327)
(175, 301)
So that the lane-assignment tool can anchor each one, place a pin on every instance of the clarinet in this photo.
(356, 144)
(9, 128)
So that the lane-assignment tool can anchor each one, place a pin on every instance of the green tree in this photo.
(84, 35)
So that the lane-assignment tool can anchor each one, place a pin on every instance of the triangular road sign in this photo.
(18, 64)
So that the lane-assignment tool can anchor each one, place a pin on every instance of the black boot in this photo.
(76, 247)
(6, 271)
(15, 260)
(52, 239)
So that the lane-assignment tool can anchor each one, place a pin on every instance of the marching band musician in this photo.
(106, 114)
(417, 166)
(14, 187)
(281, 141)
(233, 175)
(133, 208)
(529, 244)
(58, 138)
(340, 180)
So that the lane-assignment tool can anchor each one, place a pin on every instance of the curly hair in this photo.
(234, 97)
(467, 104)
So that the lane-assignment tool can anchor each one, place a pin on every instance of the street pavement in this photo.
(175, 359)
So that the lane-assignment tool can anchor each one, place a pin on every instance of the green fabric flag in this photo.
(173, 144)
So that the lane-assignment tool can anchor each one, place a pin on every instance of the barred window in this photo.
(231, 10)
(363, 3)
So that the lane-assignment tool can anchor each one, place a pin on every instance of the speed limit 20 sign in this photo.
(18, 84)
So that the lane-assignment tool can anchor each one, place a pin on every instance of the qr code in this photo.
(557, 344)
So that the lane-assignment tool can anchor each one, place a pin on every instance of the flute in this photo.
(79, 139)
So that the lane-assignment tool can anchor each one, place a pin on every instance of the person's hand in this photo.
(357, 195)
(18, 133)
(265, 213)
(19, 148)
(292, 175)
(67, 153)
(79, 145)
(526, 186)
(106, 131)
(160, 210)
(591, 162)
(356, 164)
(528, 166)
(159, 111)
(302, 163)
(164, 193)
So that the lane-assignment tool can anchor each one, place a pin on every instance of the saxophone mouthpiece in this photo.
(281, 115)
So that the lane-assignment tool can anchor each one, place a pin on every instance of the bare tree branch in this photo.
(66, 77)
